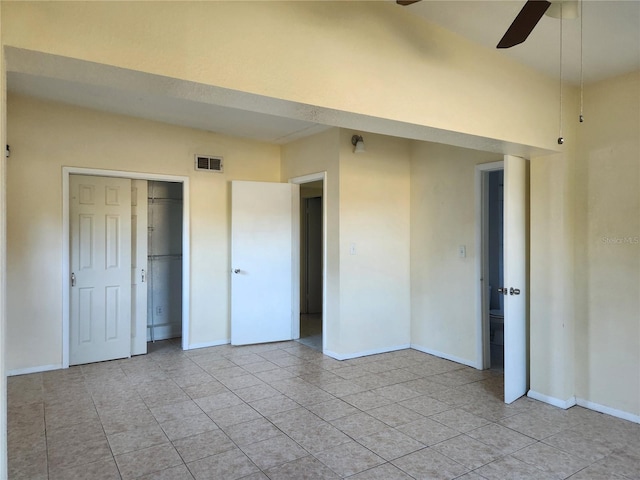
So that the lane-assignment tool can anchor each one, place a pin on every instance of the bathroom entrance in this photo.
(495, 267)
(502, 220)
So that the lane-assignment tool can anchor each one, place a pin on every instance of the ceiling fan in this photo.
(522, 26)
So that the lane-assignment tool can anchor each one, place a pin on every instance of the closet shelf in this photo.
(168, 256)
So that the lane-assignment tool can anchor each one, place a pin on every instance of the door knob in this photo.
(503, 290)
(73, 279)
(514, 291)
(237, 270)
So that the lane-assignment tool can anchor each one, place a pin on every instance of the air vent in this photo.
(208, 163)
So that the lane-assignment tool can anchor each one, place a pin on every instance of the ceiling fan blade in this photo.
(404, 3)
(524, 23)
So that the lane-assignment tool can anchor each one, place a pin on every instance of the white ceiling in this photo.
(611, 32)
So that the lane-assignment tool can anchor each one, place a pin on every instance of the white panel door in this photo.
(262, 236)
(100, 324)
(139, 269)
(516, 222)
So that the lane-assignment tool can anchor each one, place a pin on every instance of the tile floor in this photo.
(311, 330)
(285, 411)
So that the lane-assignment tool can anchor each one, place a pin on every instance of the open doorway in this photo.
(502, 220)
(491, 229)
(495, 267)
(311, 264)
(164, 261)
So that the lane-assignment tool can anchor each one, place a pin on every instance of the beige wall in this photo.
(585, 256)
(552, 264)
(320, 153)
(46, 136)
(608, 258)
(552, 322)
(443, 286)
(367, 205)
(375, 218)
(3, 268)
(368, 58)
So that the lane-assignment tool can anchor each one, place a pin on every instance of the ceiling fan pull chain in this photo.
(560, 138)
(581, 66)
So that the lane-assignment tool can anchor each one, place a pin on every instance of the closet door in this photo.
(100, 324)
(139, 268)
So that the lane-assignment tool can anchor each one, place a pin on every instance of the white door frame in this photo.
(295, 327)
(483, 355)
(186, 243)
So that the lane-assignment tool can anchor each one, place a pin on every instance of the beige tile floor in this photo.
(285, 411)
(311, 330)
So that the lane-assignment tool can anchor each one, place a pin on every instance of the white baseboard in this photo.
(608, 410)
(340, 356)
(446, 356)
(216, 343)
(38, 369)
(556, 402)
(164, 332)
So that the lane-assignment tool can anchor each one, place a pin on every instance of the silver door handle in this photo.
(73, 279)
(514, 291)
(503, 290)
(237, 270)
(144, 276)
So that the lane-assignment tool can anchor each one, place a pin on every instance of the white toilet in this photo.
(496, 326)
(496, 321)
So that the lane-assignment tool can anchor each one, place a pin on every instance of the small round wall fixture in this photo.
(358, 144)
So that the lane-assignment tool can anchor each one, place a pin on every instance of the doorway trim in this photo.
(483, 355)
(186, 243)
(295, 325)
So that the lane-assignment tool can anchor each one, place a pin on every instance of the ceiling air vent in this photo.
(208, 163)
